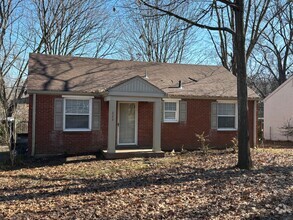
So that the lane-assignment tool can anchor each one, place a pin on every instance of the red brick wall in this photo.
(49, 141)
(174, 135)
(145, 124)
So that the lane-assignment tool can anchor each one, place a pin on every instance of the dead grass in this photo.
(187, 186)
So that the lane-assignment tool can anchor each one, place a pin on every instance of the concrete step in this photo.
(132, 153)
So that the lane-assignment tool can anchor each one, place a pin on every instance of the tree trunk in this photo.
(282, 77)
(244, 158)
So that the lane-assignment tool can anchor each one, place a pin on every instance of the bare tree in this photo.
(274, 53)
(150, 36)
(71, 27)
(68, 27)
(259, 80)
(12, 66)
(238, 38)
(254, 26)
(267, 24)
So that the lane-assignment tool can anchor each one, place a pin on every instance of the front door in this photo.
(127, 123)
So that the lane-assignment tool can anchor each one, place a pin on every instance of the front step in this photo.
(131, 153)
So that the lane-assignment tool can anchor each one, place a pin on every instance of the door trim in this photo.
(136, 124)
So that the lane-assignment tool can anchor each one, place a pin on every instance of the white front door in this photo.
(127, 123)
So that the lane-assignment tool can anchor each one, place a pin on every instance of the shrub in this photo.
(2, 134)
(287, 129)
(234, 144)
(204, 145)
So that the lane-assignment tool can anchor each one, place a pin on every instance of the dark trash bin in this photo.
(21, 143)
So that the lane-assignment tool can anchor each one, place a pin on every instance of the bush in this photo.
(204, 145)
(2, 133)
(234, 144)
(287, 129)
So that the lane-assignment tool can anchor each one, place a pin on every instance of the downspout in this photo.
(34, 126)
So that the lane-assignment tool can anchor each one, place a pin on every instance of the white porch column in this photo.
(112, 126)
(157, 125)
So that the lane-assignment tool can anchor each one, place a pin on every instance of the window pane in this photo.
(170, 115)
(170, 106)
(226, 122)
(226, 109)
(77, 106)
(76, 121)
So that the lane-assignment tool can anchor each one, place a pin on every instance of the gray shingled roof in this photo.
(51, 73)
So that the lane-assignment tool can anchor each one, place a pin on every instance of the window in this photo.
(226, 116)
(77, 114)
(171, 111)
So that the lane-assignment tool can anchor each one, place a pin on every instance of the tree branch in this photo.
(188, 20)
(229, 3)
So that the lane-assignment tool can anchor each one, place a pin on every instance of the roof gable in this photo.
(136, 86)
(285, 84)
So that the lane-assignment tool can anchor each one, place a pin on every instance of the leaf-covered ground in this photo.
(184, 186)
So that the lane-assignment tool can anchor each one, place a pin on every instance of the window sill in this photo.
(170, 121)
(227, 129)
(77, 130)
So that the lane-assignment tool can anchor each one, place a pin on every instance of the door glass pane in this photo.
(127, 123)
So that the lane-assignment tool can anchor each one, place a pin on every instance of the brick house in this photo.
(82, 105)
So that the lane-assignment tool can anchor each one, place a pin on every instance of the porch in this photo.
(123, 119)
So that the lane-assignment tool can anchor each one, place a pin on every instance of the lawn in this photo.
(181, 186)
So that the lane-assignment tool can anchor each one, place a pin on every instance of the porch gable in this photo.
(136, 86)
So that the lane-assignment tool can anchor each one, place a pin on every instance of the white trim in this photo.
(77, 97)
(136, 124)
(176, 113)
(227, 129)
(60, 92)
(157, 114)
(171, 99)
(112, 126)
(90, 99)
(236, 115)
(226, 101)
(131, 99)
(135, 94)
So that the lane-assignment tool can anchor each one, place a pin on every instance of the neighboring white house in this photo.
(278, 110)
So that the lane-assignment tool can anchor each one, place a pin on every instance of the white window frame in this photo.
(176, 113)
(236, 115)
(89, 98)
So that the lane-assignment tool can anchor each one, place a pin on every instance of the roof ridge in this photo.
(134, 61)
